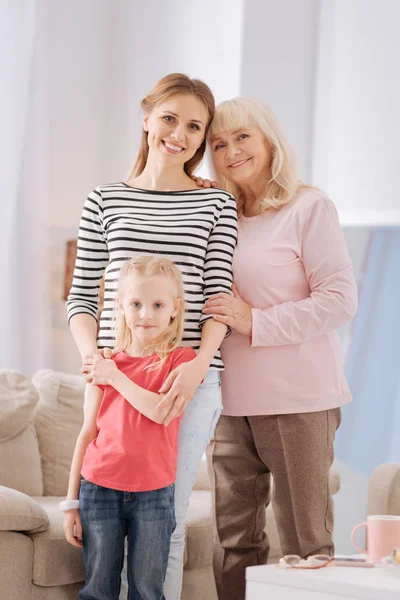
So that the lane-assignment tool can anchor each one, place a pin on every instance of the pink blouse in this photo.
(292, 266)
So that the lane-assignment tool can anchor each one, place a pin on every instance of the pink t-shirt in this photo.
(292, 266)
(132, 453)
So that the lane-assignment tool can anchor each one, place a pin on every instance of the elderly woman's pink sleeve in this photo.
(333, 297)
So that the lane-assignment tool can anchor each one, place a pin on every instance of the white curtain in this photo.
(24, 298)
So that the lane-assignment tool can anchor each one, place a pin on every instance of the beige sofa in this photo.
(39, 423)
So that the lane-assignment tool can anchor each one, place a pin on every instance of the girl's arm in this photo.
(72, 520)
(86, 435)
(106, 372)
(144, 401)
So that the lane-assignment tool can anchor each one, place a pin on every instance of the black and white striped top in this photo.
(196, 229)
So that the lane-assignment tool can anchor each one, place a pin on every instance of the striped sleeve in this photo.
(219, 256)
(91, 259)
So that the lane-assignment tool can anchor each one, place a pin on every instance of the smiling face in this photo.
(242, 155)
(176, 128)
(148, 305)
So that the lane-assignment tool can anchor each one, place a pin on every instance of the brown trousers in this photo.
(297, 450)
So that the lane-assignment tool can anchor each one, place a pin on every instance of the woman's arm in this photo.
(333, 297)
(91, 261)
(332, 301)
(84, 330)
(182, 383)
(218, 276)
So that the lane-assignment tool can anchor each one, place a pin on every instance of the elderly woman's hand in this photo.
(205, 183)
(232, 311)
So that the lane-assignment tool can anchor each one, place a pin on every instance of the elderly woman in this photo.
(283, 383)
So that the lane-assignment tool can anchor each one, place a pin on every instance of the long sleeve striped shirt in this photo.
(196, 229)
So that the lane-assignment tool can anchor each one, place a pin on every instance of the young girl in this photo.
(124, 465)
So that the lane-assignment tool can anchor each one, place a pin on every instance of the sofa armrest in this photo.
(334, 482)
(19, 512)
(384, 490)
(202, 479)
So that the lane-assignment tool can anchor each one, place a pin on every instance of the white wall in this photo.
(357, 119)
(78, 51)
(278, 66)
(179, 36)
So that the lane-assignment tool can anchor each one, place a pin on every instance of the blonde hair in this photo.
(170, 85)
(171, 338)
(247, 112)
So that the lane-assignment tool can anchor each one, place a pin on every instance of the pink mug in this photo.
(383, 534)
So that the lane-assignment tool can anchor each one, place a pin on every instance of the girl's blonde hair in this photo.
(171, 338)
(247, 112)
(170, 85)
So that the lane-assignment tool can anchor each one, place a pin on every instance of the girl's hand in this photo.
(205, 183)
(180, 387)
(234, 312)
(73, 527)
(100, 371)
(103, 353)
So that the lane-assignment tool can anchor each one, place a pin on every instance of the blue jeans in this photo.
(196, 428)
(147, 519)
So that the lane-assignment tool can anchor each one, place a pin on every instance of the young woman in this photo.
(283, 383)
(159, 210)
(124, 465)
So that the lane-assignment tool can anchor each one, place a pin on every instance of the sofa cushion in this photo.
(58, 420)
(55, 561)
(20, 466)
(19, 512)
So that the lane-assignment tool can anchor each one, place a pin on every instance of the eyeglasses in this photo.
(293, 561)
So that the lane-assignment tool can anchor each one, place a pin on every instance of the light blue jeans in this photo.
(196, 428)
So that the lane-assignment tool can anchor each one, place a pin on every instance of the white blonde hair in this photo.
(171, 338)
(248, 112)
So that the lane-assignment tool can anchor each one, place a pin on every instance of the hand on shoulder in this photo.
(205, 183)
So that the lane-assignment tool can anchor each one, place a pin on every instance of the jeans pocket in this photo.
(212, 379)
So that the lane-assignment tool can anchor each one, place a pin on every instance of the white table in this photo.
(330, 583)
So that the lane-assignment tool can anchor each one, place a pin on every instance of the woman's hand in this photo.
(73, 527)
(205, 183)
(100, 371)
(88, 358)
(232, 311)
(180, 387)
